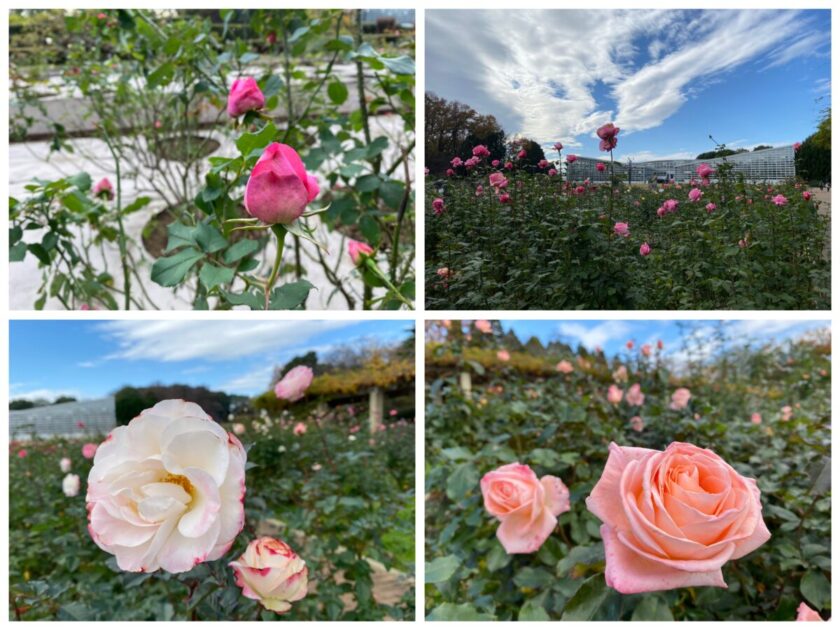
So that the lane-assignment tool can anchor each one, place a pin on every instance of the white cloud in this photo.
(43, 393)
(251, 382)
(181, 340)
(591, 336)
(542, 72)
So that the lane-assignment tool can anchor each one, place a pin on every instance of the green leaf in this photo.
(179, 236)
(816, 588)
(248, 142)
(74, 201)
(212, 276)
(162, 75)
(399, 65)
(290, 295)
(533, 610)
(585, 603)
(81, 181)
(170, 270)
(463, 479)
(531, 577)
(498, 558)
(240, 249)
(377, 146)
(652, 608)
(392, 193)
(137, 204)
(370, 229)
(209, 239)
(254, 300)
(37, 250)
(17, 252)
(337, 92)
(441, 569)
(458, 612)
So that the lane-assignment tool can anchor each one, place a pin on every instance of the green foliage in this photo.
(552, 247)
(562, 424)
(130, 401)
(344, 502)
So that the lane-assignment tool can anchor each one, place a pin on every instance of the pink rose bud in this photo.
(89, 450)
(644, 250)
(637, 424)
(571, 158)
(522, 153)
(680, 398)
(450, 172)
(552, 172)
(166, 491)
(295, 383)
(393, 412)
(646, 349)
(495, 163)
(607, 133)
(558, 146)
(509, 165)
(504, 198)
(503, 355)
(633, 503)
(479, 190)
(614, 394)
(270, 572)
(245, 96)
(780, 200)
(437, 206)
(543, 164)
(299, 428)
(22, 453)
(65, 464)
(797, 146)
(71, 485)
(710, 207)
(526, 506)
(806, 195)
(622, 229)
(103, 189)
(358, 250)
(279, 188)
(806, 613)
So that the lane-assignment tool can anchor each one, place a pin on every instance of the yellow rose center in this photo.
(180, 480)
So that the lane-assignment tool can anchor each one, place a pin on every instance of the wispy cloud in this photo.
(43, 393)
(210, 340)
(598, 335)
(559, 74)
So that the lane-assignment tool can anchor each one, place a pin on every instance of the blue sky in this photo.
(667, 78)
(612, 335)
(92, 359)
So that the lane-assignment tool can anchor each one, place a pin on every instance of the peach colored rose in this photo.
(565, 367)
(269, 571)
(615, 394)
(635, 396)
(503, 355)
(620, 375)
(526, 506)
(673, 518)
(806, 613)
(680, 398)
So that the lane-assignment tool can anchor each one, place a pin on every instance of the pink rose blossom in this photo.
(552, 172)
(456, 162)
(797, 146)
(607, 133)
(438, 206)
(565, 367)
(543, 164)
(103, 189)
(89, 450)
(522, 154)
(646, 349)
(663, 527)
(498, 181)
(787, 413)
(694, 194)
(23, 453)
(526, 506)
(479, 190)
(780, 200)
(503, 355)
(601, 167)
(295, 383)
(571, 158)
(670, 205)
(244, 96)
(806, 195)
(622, 229)
(484, 326)
(644, 250)
(755, 418)
(299, 428)
(450, 172)
(680, 398)
(495, 163)
(481, 151)
(806, 613)
(614, 394)
(635, 397)
(271, 573)
(637, 424)
(558, 146)
(279, 189)
(704, 171)
(65, 464)
(710, 207)
(504, 198)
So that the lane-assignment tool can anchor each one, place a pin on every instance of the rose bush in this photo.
(550, 243)
(681, 504)
(338, 495)
(263, 140)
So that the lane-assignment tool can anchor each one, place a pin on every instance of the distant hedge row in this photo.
(130, 401)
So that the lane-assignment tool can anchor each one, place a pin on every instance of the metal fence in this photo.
(75, 419)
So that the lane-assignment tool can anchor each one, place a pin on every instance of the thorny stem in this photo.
(371, 264)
